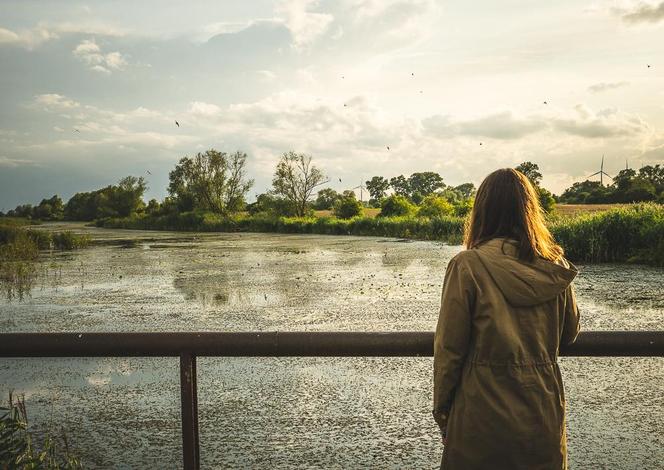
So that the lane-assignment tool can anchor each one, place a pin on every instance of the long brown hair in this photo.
(507, 205)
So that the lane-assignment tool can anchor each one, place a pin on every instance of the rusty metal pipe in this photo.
(332, 344)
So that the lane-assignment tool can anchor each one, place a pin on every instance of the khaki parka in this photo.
(498, 392)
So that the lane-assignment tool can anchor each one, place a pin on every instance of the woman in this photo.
(507, 306)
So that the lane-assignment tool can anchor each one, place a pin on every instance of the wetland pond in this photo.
(297, 412)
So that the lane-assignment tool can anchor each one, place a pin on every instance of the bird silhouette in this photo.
(648, 65)
(344, 105)
(546, 102)
(412, 74)
(480, 143)
(148, 172)
(76, 130)
(388, 147)
(339, 180)
(177, 123)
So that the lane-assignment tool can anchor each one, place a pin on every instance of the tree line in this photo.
(628, 186)
(217, 182)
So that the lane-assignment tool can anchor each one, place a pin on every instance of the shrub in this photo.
(435, 206)
(396, 206)
(20, 449)
(347, 207)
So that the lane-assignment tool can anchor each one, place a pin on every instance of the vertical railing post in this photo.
(189, 403)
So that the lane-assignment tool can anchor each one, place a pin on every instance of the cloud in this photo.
(304, 25)
(606, 123)
(15, 162)
(26, 38)
(655, 154)
(266, 75)
(605, 86)
(53, 101)
(8, 37)
(503, 126)
(89, 52)
(200, 108)
(643, 13)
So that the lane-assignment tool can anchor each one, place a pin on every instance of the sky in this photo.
(90, 91)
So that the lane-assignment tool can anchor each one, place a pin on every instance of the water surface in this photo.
(298, 412)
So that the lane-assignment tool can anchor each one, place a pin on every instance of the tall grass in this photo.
(20, 450)
(633, 233)
(16, 239)
(449, 229)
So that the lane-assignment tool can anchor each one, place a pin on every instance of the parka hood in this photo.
(524, 283)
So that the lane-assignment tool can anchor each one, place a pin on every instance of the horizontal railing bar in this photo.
(331, 344)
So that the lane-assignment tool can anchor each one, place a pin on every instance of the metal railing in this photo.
(187, 346)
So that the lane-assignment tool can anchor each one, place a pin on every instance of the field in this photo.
(576, 209)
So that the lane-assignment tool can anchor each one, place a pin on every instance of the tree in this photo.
(214, 181)
(435, 206)
(295, 179)
(467, 190)
(271, 205)
(424, 183)
(531, 170)
(623, 180)
(395, 206)
(326, 199)
(399, 185)
(655, 175)
(377, 187)
(153, 207)
(127, 197)
(347, 206)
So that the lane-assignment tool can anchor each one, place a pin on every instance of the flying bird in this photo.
(648, 65)
(412, 74)
(76, 130)
(480, 143)
(546, 102)
(388, 147)
(339, 180)
(148, 172)
(344, 105)
(177, 123)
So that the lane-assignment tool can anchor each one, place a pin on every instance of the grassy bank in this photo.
(448, 229)
(632, 233)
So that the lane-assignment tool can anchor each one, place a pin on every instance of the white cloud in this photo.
(54, 101)
(304, 25)
(8, 37)
(203, 109)
(266, 75)
(605, 86)
(89, 52)
(15, 162)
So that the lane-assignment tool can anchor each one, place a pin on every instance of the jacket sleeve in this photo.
(571, 320)
(451, 339)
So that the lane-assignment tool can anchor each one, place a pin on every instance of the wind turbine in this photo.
(601, 173)
(361, 187)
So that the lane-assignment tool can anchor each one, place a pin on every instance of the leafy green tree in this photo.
(424, 183)
(531, 170)
(326, 199)
(655, 175)
(271, 205)
(127, 197)
(214, 181)
(377, 187)
(396, 205)
(623, 180)
(467, 190)
(399, 185)
(153, 207)
(347, 206)
(295, 180)
(435, 206)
